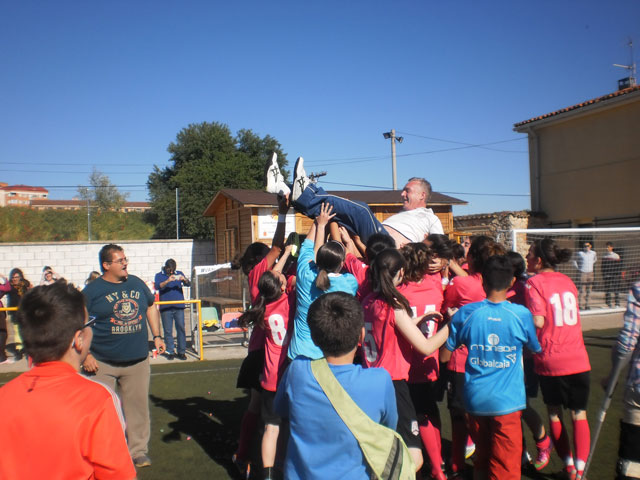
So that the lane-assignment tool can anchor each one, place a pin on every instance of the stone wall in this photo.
(75, 260)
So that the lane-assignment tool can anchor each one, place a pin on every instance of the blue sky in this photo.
(110, 84)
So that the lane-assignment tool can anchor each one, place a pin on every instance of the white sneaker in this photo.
(8, 361)
(300, 179)
(274, 180)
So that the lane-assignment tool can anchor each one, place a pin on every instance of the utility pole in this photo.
(88, 220)
(392, 136)
(177, 217)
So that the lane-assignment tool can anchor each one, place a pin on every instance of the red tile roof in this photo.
(23, 188)
(586, 103)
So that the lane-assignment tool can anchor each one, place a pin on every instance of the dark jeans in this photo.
(355, 216)
(169, 317)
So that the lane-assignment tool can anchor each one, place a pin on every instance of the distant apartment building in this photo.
(49, 204)
(20, 195)
(37, 198)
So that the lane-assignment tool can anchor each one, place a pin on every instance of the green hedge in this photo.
(19, 224)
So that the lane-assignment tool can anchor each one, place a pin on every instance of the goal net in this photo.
(617, 263)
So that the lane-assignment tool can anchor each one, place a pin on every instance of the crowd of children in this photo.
(398, 327)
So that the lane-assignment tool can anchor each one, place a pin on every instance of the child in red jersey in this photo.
(257, 259)
(392, 335)
(461, 291)
(424, 293)
(272, 312)
(563, 366)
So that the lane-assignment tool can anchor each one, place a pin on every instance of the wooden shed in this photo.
(242, 217)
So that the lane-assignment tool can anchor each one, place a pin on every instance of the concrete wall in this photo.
(75, 260)
(589, 165)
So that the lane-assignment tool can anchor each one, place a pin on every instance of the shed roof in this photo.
(600, 100)
(259, 198)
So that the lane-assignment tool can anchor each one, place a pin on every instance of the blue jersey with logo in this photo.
(494, 334)
(120, 332)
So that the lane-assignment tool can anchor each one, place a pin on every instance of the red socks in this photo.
(247, 430)
(561, 440)
(581, 442)
(430, 435)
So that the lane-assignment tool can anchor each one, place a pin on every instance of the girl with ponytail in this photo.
(563, 365)
(319, 267)
(271, 311)
(423, 290)
(392, 335)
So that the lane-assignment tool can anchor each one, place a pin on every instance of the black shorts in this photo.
(455, 390)
(531, 381)
(251, 369)
(407, 418)
(569, 391)
(269, 415)
(424, 398)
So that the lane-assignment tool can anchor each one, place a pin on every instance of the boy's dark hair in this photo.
(481, 249)
(48, 317)
(252, 256)
(269, 290)
(329, 259)
(518, 264)
(377, 243)
(497, 273)
(551, 255)
(105, 254)
(417, 256)
(335, 321)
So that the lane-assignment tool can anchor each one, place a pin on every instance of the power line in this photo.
(481, 145)
(447, 193)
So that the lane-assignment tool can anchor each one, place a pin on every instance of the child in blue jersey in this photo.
(319, 267)
(495, 332)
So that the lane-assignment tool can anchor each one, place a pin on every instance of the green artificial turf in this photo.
(196, 413)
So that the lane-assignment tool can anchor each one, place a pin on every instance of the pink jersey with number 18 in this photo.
(554, 296)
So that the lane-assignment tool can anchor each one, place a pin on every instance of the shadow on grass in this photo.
(213, 424)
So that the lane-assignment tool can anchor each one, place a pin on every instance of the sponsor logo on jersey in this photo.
(493, 345)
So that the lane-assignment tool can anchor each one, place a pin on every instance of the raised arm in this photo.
(321, 224)
(426, 346)
(283, 259)
(278, 237)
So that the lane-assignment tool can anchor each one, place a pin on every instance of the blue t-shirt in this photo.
(321, 446)
(494, 334)
(171, 291)
(120, 332)
(306, 293)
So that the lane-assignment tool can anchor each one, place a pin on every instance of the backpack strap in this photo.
(386, 453)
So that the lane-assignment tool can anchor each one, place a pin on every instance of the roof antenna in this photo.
(629, 81)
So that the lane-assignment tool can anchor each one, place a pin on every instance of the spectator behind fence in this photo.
(122, 305)
(169, 284)
(19, 286)
(611, 273)
(585, 261)
(5, 287)
(48, 276)
(61, 425)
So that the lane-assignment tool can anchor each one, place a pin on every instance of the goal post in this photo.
(617, 263)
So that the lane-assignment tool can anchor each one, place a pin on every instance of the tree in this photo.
(205, 158)
(101, 193)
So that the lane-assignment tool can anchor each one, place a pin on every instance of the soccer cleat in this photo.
(273, 179)
(570, 473)
(300, 179)
(469, 450)
(244, 468)
(526, 459)
(544, 453)
(142, 461)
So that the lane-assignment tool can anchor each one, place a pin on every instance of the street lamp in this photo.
(392, 135)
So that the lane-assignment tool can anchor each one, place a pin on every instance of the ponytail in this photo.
(269, 290)
(381, 273)
(329, 259)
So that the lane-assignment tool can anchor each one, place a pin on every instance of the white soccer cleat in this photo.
(274, 181)
(300, 179)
